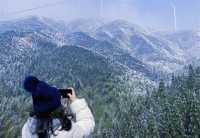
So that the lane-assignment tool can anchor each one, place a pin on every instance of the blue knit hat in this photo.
(45, 97)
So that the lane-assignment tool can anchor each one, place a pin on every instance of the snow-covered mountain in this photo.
(109, 51)
(140, 50)
(150, 49)
(23, 51)
(31, 23)
(188, 41)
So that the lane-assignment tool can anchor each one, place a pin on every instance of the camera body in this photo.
(65, 92)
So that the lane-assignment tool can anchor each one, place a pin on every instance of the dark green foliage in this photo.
(158, 114)
(191, 78)
(168, 115)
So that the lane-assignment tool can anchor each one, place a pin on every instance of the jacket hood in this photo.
(30, 83)
(45, 97)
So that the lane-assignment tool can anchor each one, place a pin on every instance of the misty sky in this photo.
(155, 14)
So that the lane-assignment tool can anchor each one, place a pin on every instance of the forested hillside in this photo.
(171, 111)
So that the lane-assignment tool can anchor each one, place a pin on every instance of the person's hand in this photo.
(72, 97)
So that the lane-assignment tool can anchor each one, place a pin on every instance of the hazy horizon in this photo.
(155, 14)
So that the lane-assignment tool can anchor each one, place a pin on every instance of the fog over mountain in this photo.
(154, 14)
(129, 44)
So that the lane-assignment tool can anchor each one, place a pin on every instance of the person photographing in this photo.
(50, 119)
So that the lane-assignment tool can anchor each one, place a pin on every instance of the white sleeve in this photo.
(25, 131)
(28, 128)
(84, 117)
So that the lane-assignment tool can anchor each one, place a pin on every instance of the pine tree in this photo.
(191, 78)
(197, 79)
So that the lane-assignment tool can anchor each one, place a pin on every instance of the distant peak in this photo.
(119, 23)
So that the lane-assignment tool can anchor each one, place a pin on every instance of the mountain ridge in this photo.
(158, 52)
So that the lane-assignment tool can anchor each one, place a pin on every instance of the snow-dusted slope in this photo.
(188, 41)
(152, 50)
(109, 51)
(120, 41)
